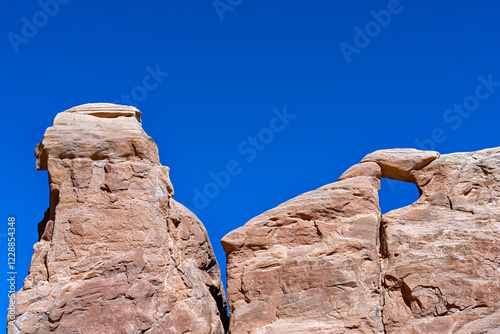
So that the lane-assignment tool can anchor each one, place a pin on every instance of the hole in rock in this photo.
(396, 194)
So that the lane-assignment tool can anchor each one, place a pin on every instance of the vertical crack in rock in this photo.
(382, 255)
(106, 261)
(396, 164)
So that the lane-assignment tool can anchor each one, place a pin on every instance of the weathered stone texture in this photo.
(310, 265)
(314, 264)
(117, 254)
(441, 254)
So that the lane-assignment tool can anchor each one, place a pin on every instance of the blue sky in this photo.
(352, 76)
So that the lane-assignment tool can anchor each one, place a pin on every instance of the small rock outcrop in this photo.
(116, 253)
(328, 262)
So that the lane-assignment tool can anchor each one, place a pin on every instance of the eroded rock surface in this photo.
(310, 265)
(398, 164)
(116, 254)
(441, 254)
(315, 264)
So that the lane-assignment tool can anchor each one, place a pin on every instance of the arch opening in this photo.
(396, 194)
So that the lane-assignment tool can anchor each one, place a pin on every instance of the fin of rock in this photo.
(327, 262)
(310, 265)
(116, 254)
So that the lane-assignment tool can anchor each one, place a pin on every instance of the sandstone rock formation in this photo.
(328, 262)
(441, 255)
(116, 254)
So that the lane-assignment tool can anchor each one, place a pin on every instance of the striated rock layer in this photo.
(327, 262)
(116, 253)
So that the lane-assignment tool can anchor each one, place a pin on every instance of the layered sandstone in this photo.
(116, 254)
(310, 265)
(327, 262)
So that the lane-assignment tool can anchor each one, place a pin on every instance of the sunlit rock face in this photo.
(116, 254)
(328, 262)
(440, 255)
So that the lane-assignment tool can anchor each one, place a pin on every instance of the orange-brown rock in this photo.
(397, 164)
(116, 254)
(315, 263)
(441, 255)
(311, 265)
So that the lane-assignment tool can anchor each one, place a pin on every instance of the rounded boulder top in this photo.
(106, 110)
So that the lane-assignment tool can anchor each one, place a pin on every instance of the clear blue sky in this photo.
(357, 76)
